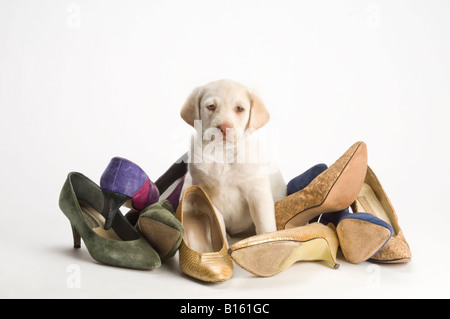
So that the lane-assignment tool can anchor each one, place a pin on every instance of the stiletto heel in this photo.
(76, 238)
(113, 202)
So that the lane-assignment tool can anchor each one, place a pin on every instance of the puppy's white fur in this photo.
(227, 168)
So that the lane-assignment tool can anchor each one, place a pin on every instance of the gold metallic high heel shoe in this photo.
(373, 200)
(203, 250)
(269, 254)
(333, 190)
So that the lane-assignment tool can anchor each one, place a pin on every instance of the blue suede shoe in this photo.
(303, 180)
(361, 235)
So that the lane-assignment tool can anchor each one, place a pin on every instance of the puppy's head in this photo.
(225, 104)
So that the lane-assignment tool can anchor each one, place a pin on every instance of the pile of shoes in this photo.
(147, 235)
(343, 205)
(315, 219)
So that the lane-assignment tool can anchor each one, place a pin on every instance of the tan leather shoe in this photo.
(203, 251)
(333, 190)
(373, 200)
(269, 254)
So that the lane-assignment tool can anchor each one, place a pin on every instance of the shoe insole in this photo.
(97, 222)
(201, 233)
(370, 204)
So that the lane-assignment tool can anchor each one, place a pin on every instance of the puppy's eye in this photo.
(239, 109)
(211, 107)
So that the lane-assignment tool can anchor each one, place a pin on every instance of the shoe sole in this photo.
(270, 259)
(360, 240)
(164, 239)
(333, 190)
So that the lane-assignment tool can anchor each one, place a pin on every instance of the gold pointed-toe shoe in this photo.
(269, 254)
(203, 251)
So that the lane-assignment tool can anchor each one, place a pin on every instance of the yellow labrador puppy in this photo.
(224, 158)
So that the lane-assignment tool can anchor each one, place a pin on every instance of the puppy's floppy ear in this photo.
(191, 108)
(259, 116)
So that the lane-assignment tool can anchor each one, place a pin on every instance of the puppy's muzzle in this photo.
(223, 128)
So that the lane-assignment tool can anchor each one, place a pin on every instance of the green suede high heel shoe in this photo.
(121, 245)
(161, 228)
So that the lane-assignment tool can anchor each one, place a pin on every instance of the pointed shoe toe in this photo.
(396, 251)
(207, 267)
(373, 199)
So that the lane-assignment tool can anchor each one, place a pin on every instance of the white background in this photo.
(83, 81)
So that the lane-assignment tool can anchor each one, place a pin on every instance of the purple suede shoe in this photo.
(123, 181)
